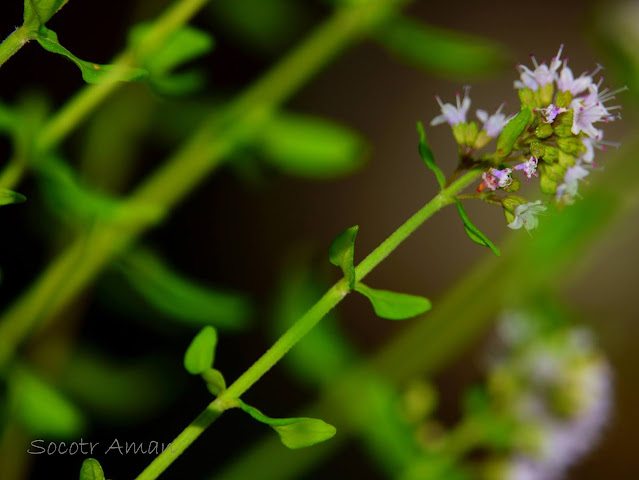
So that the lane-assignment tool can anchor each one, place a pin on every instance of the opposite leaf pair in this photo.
(389, 305)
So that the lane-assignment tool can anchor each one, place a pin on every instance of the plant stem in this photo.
(80, 263)
(12, 44)
(301, 327)
(72, 114)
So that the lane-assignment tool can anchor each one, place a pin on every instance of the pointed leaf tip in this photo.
(342, 251)
(297, 432)
(473, 232)
(91, 470)
(393, 305)
(200, 355)
(427, 156)
(7, 197)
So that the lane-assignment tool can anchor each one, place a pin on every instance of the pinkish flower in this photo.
(494, 123)
(541, 76)
(529, 167)
(453, 115)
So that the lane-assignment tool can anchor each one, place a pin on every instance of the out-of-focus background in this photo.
(241, 226)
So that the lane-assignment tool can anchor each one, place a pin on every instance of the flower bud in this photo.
(570, 144)
(544, 130)
(563, 131)
(537, 149)
(546, 93)
(565, 160)
(550, 154)
(563, 99)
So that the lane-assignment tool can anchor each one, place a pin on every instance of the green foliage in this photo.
(8, 197)
(323, 353)
(39, 12)
(262, 25)
(214, 381)
(310, 147)
(200, 354)
(119, 392)
(91, 72)
(297, 432)
(41, 409)
(392, 305)
(512, 130)
(342, 251)
(91, 470)
(444, 52)
(181, 47)
(427, 156)
(473, 232)
(179, 298)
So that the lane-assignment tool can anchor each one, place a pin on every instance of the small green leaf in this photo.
(91, 470)
(41, 409)
(91, 72)
(392, 305)
(444, 52)
(180, 298)
(342, 251)
(427, 156)
(183, 45)
(473, 232)
(214, 381)
(511, 132)
(39, 12)
(7, 197)
(311, 147)
(200, 355)
(297, 432)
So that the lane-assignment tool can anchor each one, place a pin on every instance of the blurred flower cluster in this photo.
(553, 138)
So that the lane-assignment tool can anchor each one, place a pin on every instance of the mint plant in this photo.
(552, 138)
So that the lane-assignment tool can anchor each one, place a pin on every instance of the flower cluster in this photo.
(557, 388)
(553, 138)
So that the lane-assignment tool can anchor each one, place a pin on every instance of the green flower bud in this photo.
(465, 133)
(546, 93)
(565, 119)
(509, 203)
(482, 140)
(537, 149)
(527, 98)
(565, 159)
(570, 144)
(563, 99)
(515, 185)
(458, 133)
(550, 175)
(563, 131)
(550, 154)
(544, 130)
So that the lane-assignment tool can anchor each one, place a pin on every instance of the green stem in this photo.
(80, 263)
(13, 43)
(75, 111)
(295, 333)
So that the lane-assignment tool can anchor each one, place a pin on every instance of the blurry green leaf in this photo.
(444, 52)
(427, 156)
(200, 355)
(91, 470)
(263, 25)
(9, 119)
(182, 46)
(510, 133)
(214, 381)
(473, 232)
(8, 197)
(39, 12)
(91, 72)
(294, 432)
(180, 298)
(342, 251)
(41, 409)
(115, 391)
(392, 305)
(324, 352)
(311, 147)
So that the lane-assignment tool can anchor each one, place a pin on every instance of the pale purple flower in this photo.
(566, 82)
(541, 76)
(529, 167)
(590, 109)
(495, 178)
(526, 215)
(451, 114)
(494, 123)
(551, 112)
(595, 142)
(568, 189)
